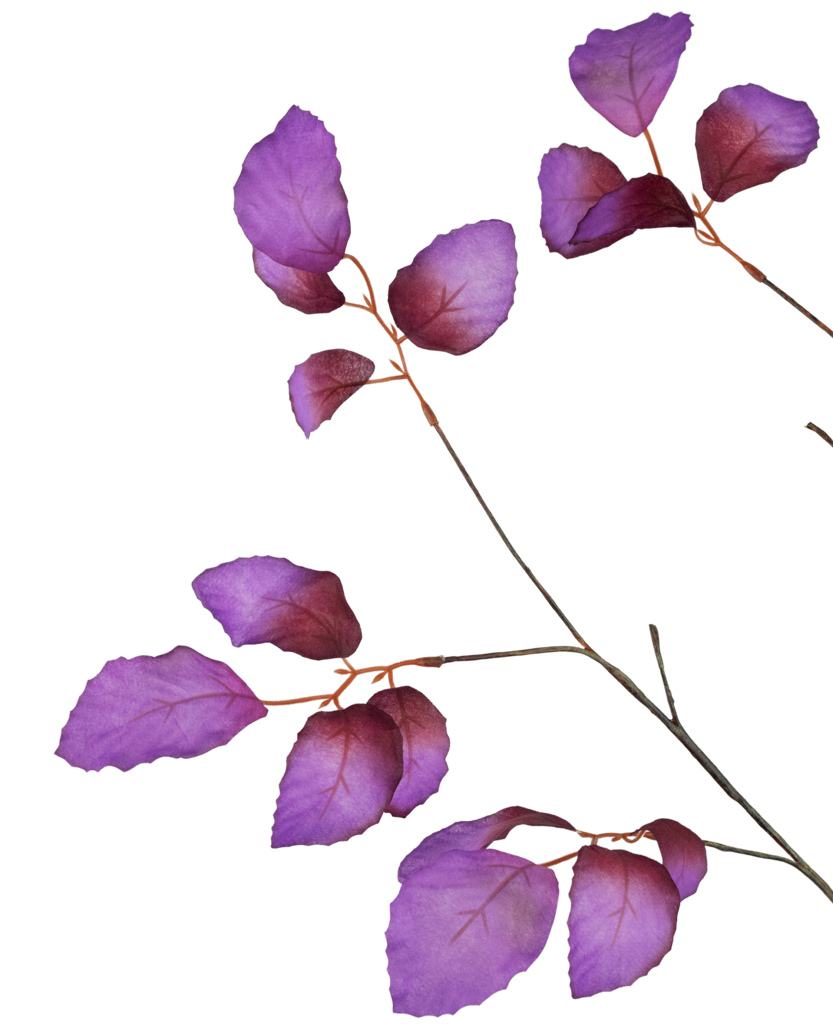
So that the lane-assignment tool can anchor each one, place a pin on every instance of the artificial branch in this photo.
(821, 433)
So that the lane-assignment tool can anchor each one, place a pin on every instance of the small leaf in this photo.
(683, 853)
(748, 136)
(625, 74)
(340, 776)
(379, 675)
(425, 744)
(459, 289)
(288, 198)
(623, 915)
(475, 835)
(646, 202)
(572, 180)
(265, 600)
(309, 293)
(324, 382)
(179, 704)
(463, 927)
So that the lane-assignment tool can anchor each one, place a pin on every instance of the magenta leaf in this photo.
(748, 136)
(309, 293)
(475, 835)
(288, 198)
(572, 180)
(459, 289)
(265, 600)
(464, 926)
(646, 202)
(425, 744)
(179, 704)
(683, 853)
(323, 383)
(340, 777)
(623, 914)
(625, 74)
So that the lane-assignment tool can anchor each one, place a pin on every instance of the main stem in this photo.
(675, 729)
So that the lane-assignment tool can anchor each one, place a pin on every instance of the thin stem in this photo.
(751, 853)
(748, 267)
(658, 654)
(647, 135)
(821, 432)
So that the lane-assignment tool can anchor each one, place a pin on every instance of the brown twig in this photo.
(821, 433)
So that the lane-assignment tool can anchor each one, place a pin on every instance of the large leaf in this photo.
(623, 914)
(459, 289)
(178, 704)
(266, 600)
(340, 777)
(288, 198)
(464, 926)
(748, 136)
(625, 74)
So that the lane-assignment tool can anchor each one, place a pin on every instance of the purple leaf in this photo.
(683, 853)
(625, 74)
(623, 914)
(323, 383)
(463, 927)
(459, 289)
(474, 835)
(309, 293)
(748, 136)
(265, 600)
(339, 778)
(178, 704)
(424, 746)
(646, 202)
(288, 198)
(572, 180)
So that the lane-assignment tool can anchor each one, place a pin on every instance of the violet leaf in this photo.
(288, 198)
(340, 776)
(625, 73)
(572, 180)
(459, 289)
(299, 289)
(464, 926)
(646, 202)
(748, 136)
(324, 382)
(266, 600)
(475, 835)
(179, 704)
(683, 853)
(425, 745)
(623, 914)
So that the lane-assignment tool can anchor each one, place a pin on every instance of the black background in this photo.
(636, 426)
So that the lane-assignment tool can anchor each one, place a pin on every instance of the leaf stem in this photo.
(647, 135)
